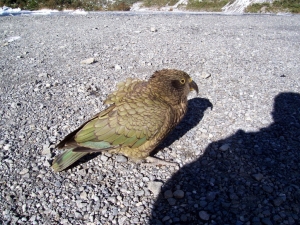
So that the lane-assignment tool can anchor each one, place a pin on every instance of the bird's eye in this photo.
(182, 81)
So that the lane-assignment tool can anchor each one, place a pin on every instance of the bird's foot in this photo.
(152, 161)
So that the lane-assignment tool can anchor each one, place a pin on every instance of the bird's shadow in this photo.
(195, 113)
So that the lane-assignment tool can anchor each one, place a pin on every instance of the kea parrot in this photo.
(139, 116)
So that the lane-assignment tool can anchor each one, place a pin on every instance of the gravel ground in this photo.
(238, 146)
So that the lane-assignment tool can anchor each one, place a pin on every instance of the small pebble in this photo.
(224, 147)
(258, 176)
(153, 29)
(172, 201)
(121, 158)
(204, 215)
(6, 147)
(155, 187)
(46, 149)
(118, 67)
(178, 194)
(103, 158)
(24, 171)
(88, 61)
(205, 75)
(168, 194)
(83, 195)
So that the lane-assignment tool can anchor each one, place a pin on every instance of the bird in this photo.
(139, 116)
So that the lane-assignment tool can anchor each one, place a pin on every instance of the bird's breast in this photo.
(180, 111)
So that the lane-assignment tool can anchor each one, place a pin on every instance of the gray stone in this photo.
(6, 147)
(24, 171)
(178, 194)
(205, 75)
(171, 201)
(257, 176)
(204, 215)
(283, 196)
(155, 187)
(139, 193)
(121, 158)
(57, 183)
(168, 194)
(103, 158)
(112, 199)
(80, 204)
(43, 75)
(88, 61)
(224, 147)
(153, 29)
(64, 221)
(165, 218)
(278, 201)
(122, 220)
(267, 188)
(118, 67)
(83, 195)
(46, 149)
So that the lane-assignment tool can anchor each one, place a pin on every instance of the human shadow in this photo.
(247, 178)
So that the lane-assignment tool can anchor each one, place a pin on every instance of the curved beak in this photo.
(193, 86)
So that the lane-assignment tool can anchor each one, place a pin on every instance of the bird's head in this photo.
(172, 85)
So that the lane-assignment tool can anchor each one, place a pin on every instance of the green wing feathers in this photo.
(71, 155)
(66, 159)
(129, 122)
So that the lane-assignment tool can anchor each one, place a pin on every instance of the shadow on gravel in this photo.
(247, 178)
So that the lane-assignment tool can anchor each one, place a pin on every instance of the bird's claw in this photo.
(152, 161)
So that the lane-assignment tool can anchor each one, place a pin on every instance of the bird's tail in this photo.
(66, 159)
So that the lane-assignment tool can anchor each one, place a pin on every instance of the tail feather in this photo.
(66, 159)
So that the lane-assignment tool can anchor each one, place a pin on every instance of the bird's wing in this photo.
(68, 141)
(130, 123)
(124, 89)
